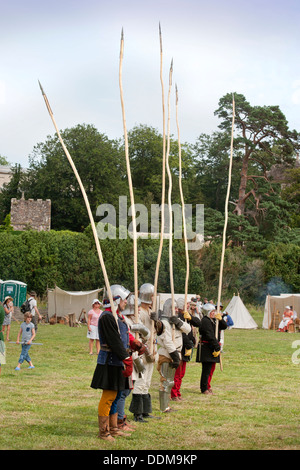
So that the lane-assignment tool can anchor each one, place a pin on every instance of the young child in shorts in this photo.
(28, 334)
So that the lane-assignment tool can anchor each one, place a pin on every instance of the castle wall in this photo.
(35, 214)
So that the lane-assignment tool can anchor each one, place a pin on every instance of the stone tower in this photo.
(30, 213)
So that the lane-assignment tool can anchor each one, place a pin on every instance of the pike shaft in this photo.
(226, 216)
(183, 210)
(25, 342)
(170, 204)
(130, 184)
(86, 203)
(161, 241)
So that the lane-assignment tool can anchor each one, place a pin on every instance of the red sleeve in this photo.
(131, 338)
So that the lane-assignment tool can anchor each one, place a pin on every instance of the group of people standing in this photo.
(130, 345)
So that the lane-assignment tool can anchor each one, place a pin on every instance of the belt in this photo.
(105, 348)
(207, 342)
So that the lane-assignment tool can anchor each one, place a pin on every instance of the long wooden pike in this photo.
(161, 241)
(133, 212)
(183, 209)
(226, 218)
(86, 203)
(24, 342)
(170, 201)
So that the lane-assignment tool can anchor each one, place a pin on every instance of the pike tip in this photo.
(122, 34)
(160, 38)
(41, 88)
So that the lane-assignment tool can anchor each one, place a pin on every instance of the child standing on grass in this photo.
(28, 334)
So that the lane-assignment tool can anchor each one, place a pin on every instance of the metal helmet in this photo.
(146, 293)
(180, 303)
(207, 308)
(118, 293)
(167, 308)
(129, 310)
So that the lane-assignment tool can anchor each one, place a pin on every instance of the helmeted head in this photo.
(146, 293)
(207, 309)
(167, 309)
(119, 294)
(180, 303)
(129, 310)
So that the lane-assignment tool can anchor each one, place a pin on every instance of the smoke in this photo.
(275, 286)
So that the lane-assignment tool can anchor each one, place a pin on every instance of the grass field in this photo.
(256, 406)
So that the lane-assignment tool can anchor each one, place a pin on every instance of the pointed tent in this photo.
(239, 314)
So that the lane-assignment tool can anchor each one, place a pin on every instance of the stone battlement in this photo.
(30, 213)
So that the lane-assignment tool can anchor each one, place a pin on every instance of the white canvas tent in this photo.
(239, 314)
(277, 303)
(62, 302)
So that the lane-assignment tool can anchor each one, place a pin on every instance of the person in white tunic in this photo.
(141, 403)
(169, 337)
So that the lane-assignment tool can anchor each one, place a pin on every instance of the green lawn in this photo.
(256, 405)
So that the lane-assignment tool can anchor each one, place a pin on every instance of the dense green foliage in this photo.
(263, 232)
(70, 260)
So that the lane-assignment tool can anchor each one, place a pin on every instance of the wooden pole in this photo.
(161, 241)
(86, 203)
(226, 217)
(170, 202)
(183, 210)
(133, 212)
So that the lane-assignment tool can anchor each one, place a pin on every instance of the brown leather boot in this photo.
(113, 426)
(104, 428)
(124, 426)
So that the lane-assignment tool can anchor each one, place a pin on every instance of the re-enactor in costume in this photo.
(209, 346)
(287, 319)
(170, 342)
(135, 326)
(114, 362)
(188, 343)
(141, 404)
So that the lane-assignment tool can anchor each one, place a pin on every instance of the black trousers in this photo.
(207, 371)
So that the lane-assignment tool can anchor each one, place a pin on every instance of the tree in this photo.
(263, 139)
(100, 164)
(291, 193)
(283, 262)
(9, 191)
(211, 167)
(3, 161)
(146, 158)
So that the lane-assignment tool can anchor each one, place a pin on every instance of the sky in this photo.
(72, 47)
